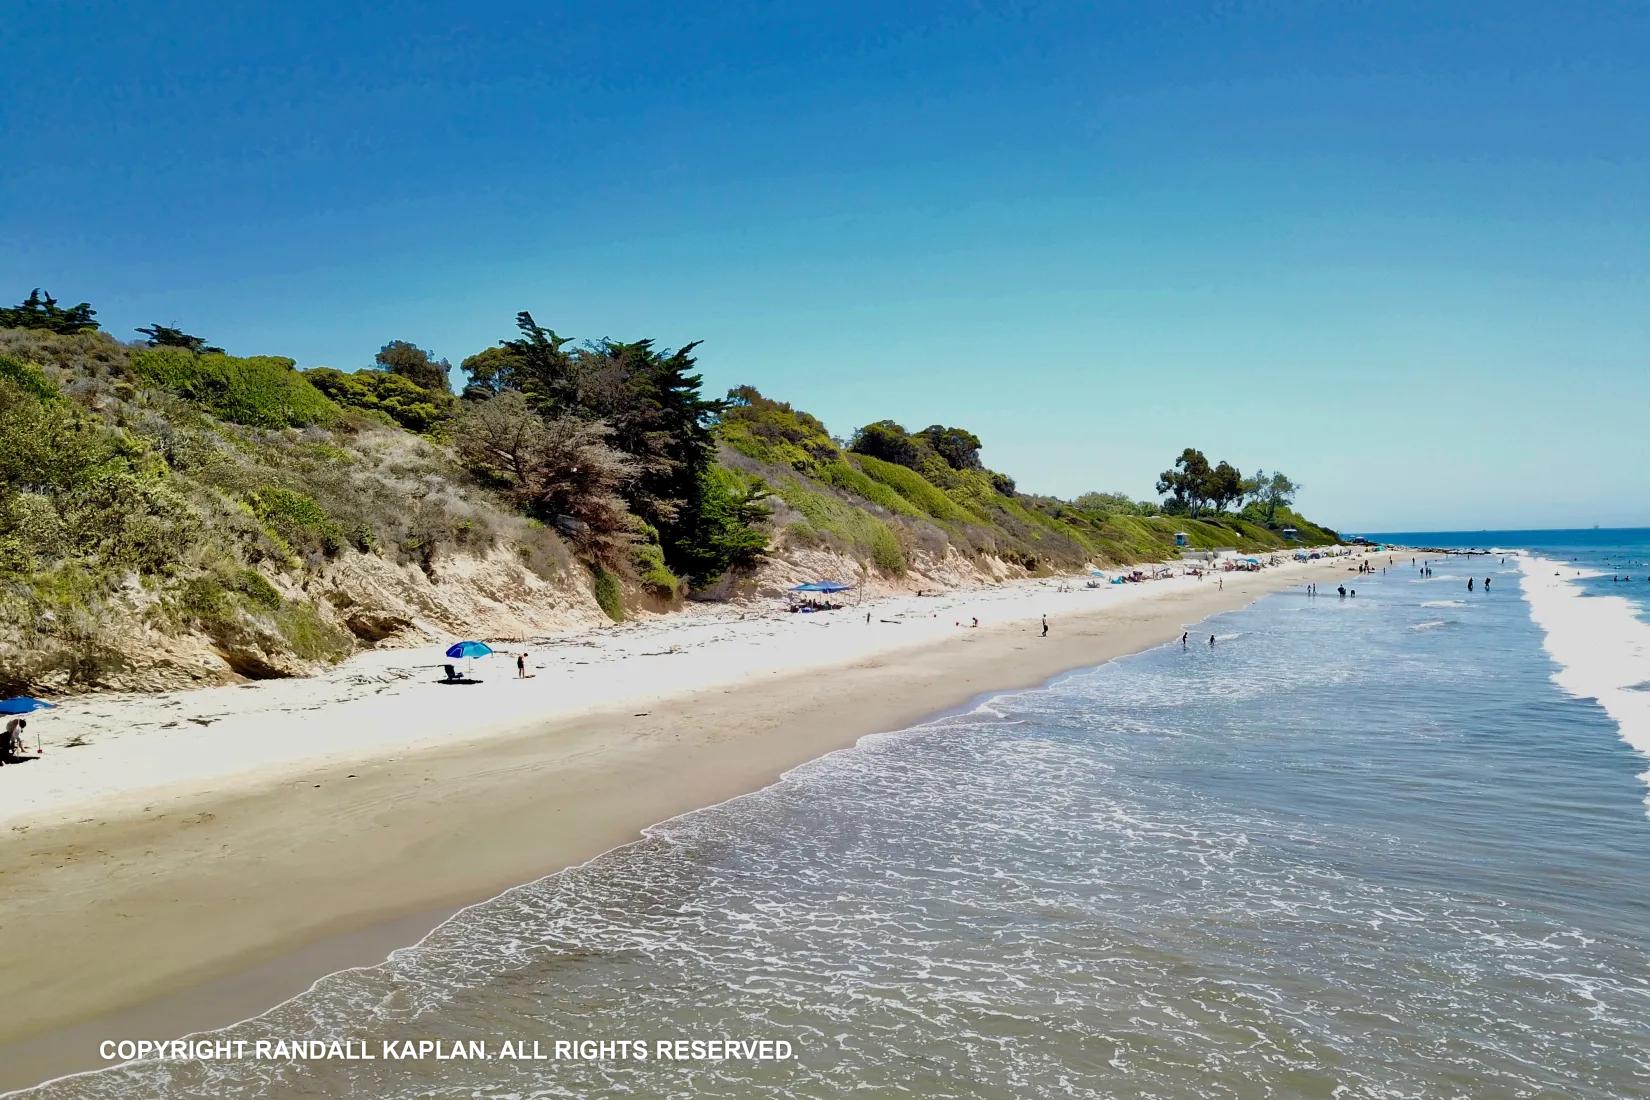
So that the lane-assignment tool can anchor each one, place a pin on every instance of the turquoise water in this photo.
(1360, 847)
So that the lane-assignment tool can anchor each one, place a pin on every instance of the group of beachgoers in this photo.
(811, 605)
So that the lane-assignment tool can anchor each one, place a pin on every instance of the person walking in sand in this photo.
(521, 666)
(1045, 626)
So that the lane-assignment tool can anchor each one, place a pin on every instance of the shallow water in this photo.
(1360, 847)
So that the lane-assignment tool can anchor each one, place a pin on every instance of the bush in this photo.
(648, 558)
(395, 395)
(28, 379)
(264, 391)
(609, 596)
(297, 521)
(310, 636)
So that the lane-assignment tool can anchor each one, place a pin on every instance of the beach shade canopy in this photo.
(469, 649)
(822, 586)
(24, 704)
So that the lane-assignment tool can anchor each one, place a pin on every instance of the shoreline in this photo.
(205, 906)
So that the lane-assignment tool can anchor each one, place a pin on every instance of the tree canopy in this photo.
(42, 311)
(164, 336)
(1193, 486)
(652, 410)
(414, 364)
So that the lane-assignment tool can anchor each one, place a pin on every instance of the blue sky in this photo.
(1400, 251)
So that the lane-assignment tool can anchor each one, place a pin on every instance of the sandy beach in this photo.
(202, 855)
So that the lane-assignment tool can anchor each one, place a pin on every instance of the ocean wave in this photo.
(1431, 624)
(1444, 603)
(1598, 642)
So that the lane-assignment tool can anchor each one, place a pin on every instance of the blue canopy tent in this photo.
(822, 586)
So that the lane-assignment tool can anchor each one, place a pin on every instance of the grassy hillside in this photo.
(160, 491)
(271, 520)
(888, 514)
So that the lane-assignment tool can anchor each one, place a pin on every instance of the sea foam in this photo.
(1601, 646)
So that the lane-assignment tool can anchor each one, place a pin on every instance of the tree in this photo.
(651, 406)
(491, 372)
(888, 441)
(1278, 492)
(561, 470)
(414, 364)
(958, 446)
(543, 370)
(42, 311)
(1225, 486)
(660, 417)
(722, 525)
(163, 336)
(1187, 482)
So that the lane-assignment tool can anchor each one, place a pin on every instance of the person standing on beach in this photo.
(1183, 635)
(521, 665)
(1045, 626)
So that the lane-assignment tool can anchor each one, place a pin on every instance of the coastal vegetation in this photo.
(164, 488)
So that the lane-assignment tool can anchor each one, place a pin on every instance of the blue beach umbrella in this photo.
(469, 649)
(822, 586)
(24, 704)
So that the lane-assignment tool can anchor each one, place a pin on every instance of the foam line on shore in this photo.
(1599, 643)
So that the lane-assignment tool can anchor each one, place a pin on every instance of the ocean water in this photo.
(1393, 845)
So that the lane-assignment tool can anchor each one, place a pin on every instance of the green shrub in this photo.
(609, 596)
(298, 521)
(396, 396)
(264, 391)
(647, 557)
(27, 378)
(774, 432)
(310, 636)
(886, 551)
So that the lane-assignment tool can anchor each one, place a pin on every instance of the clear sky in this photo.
(1399, 251)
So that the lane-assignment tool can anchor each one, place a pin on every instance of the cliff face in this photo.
(358, 601)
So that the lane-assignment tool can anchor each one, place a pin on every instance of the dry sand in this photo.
(207, 854)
